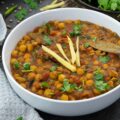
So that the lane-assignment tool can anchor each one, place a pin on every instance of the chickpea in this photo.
(64, 97)
(27, 55)
(20, 79)
(89, 83)
(96, 92)
(13, 60)
(111, 83)
(113, 73)
(96, 62)
(61, 77)
(27, 60)
(80, 71)
(34, 89)
(58, 85)
(31, 76)
(33, 67)
(16, 75)
(61, 25)
(14, 53)
(77, 22)
(26, 38)
(56, 22)
(105, 66)
(36, 85)
(48, 93)
(40, 92)
(38, 77)
(29, 47)
(39, 61)
(89, 75)
(53, 75)
(22, 48)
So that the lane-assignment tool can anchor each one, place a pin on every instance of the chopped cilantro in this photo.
(98, 76)
(47, 40)
(26, 66)
(86, 45)
(76, 30)
(21, 14)
(94, 39)
(64, 32)
(101, 85)
(16, 65)
(31, 3)
(44, 84)
(66, 86)
(53, 68)
(104, 59)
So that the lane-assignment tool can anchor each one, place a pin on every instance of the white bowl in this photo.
(57, 107)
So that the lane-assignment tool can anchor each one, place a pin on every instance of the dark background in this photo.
(110, 113)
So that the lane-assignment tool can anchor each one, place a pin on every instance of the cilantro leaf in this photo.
(101, 85)
(53, 68)
(76, 30)
(16, 65)
(66, 86)
(86, 45)
(104, 59)
(20, 15)
(47, 40)
(44, 84)
(98, 76)
(26, 66)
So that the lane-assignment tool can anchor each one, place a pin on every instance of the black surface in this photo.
(114, 14)
(110, 113)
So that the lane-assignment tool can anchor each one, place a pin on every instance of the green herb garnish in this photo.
(104, 59)
(109, 4)
(21, 14)
(26, 66)
(76, 30)
(10, 10)
(19, 118)
(31, 3)
(16, 65)
(86, 45)
(47, 40)
(101, 85)
(64, 32)
(98, 76)
(53, 68)
(49, 27)
(94, 39)
(44, 84)
(67, 86)
(74, 86)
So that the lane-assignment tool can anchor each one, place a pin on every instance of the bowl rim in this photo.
(96, 8)
(7, 72)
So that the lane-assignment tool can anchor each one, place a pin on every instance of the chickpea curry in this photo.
(56, 61)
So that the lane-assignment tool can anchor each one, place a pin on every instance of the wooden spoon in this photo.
(105, 46)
